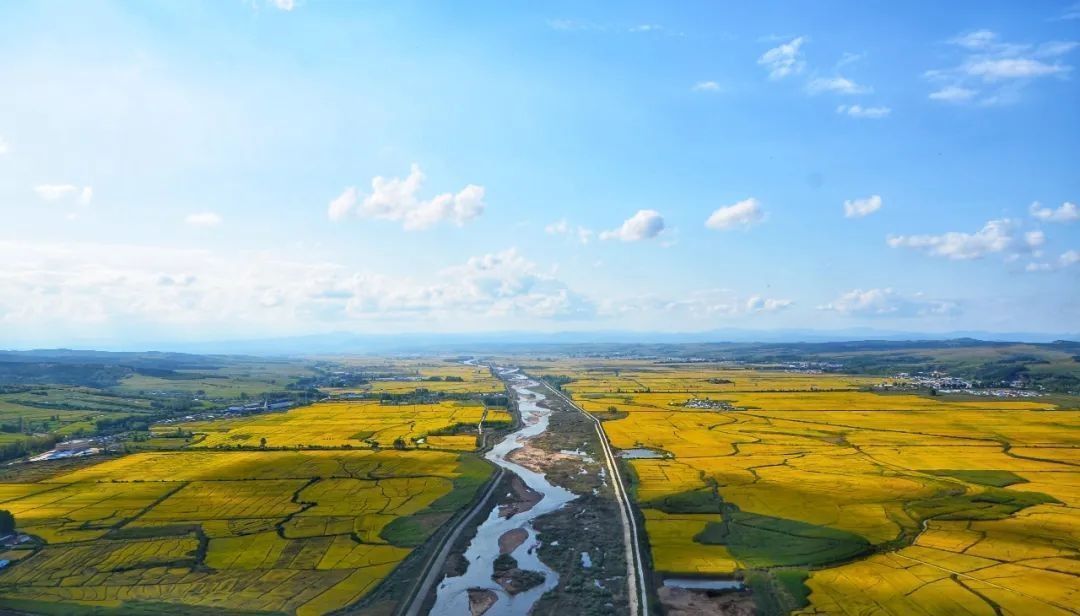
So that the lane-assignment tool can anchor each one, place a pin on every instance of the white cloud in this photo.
(996, 236)
(886, 302)
(756, 303)
(4, 147)
(203, 219)
(1034, 239)
(113, 287)
(706, 86)
(857, 208)
(397, 199)
(562, 227)
(702, 306)
(742, 214)
(646, 28)
(785, 59)
(283, 5)
(993, 72)
(343, 204)
(1064, 260)
(1068, 212)
(953, 94)
(644, 225)
(55, 192)
(1013, 68)
(65, 192)
(1071, 12)
(978, 39)
(836, 85)
(858, 111)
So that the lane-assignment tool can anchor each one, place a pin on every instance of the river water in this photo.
(452, 595)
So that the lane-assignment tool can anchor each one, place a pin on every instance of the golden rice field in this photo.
(410, 375)
(351, 423)
(895, 503)
(303, 532)
(298, 512)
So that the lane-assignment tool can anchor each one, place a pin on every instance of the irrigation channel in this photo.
(452, 595)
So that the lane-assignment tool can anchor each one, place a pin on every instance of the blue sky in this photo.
(183, 170)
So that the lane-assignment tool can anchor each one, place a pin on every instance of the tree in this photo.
(262, 442)
(7, 522)
(399, 443)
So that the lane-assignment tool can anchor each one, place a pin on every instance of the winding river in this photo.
(452, 595)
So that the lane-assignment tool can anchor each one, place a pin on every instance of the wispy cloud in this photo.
(784, 59)
(836, 85)
(65, 192)
(887, 303)
(991, 71)
(203, 219)
(583, 235)
(4, 147)
(858, 111)
(1065, 260)
(706, 86)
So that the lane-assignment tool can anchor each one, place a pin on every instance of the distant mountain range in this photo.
(345, 342)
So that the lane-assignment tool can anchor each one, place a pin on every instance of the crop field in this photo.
(890, 502)
(407, 376)
(303, 532)
(353, 423)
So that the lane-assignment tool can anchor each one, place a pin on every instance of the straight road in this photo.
(635, 570)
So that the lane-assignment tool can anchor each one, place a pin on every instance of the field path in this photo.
(433, 568)
(635, 571)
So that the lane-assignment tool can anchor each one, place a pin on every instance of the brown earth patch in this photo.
(481, 600)
(512, 539)
(524, 498)
(687, 602)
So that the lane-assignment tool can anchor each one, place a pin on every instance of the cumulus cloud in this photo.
(836, 85)
(756, 303)
(644, 225)
(996, 236)
(1068, 212)
(203, 219)
(858, 111)
(742, 214)
(857, 208)
(582, 234)
(886, 302)
(398, 200)
(991, 71)
(65, 193)
(785, 59)
(706, 86)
